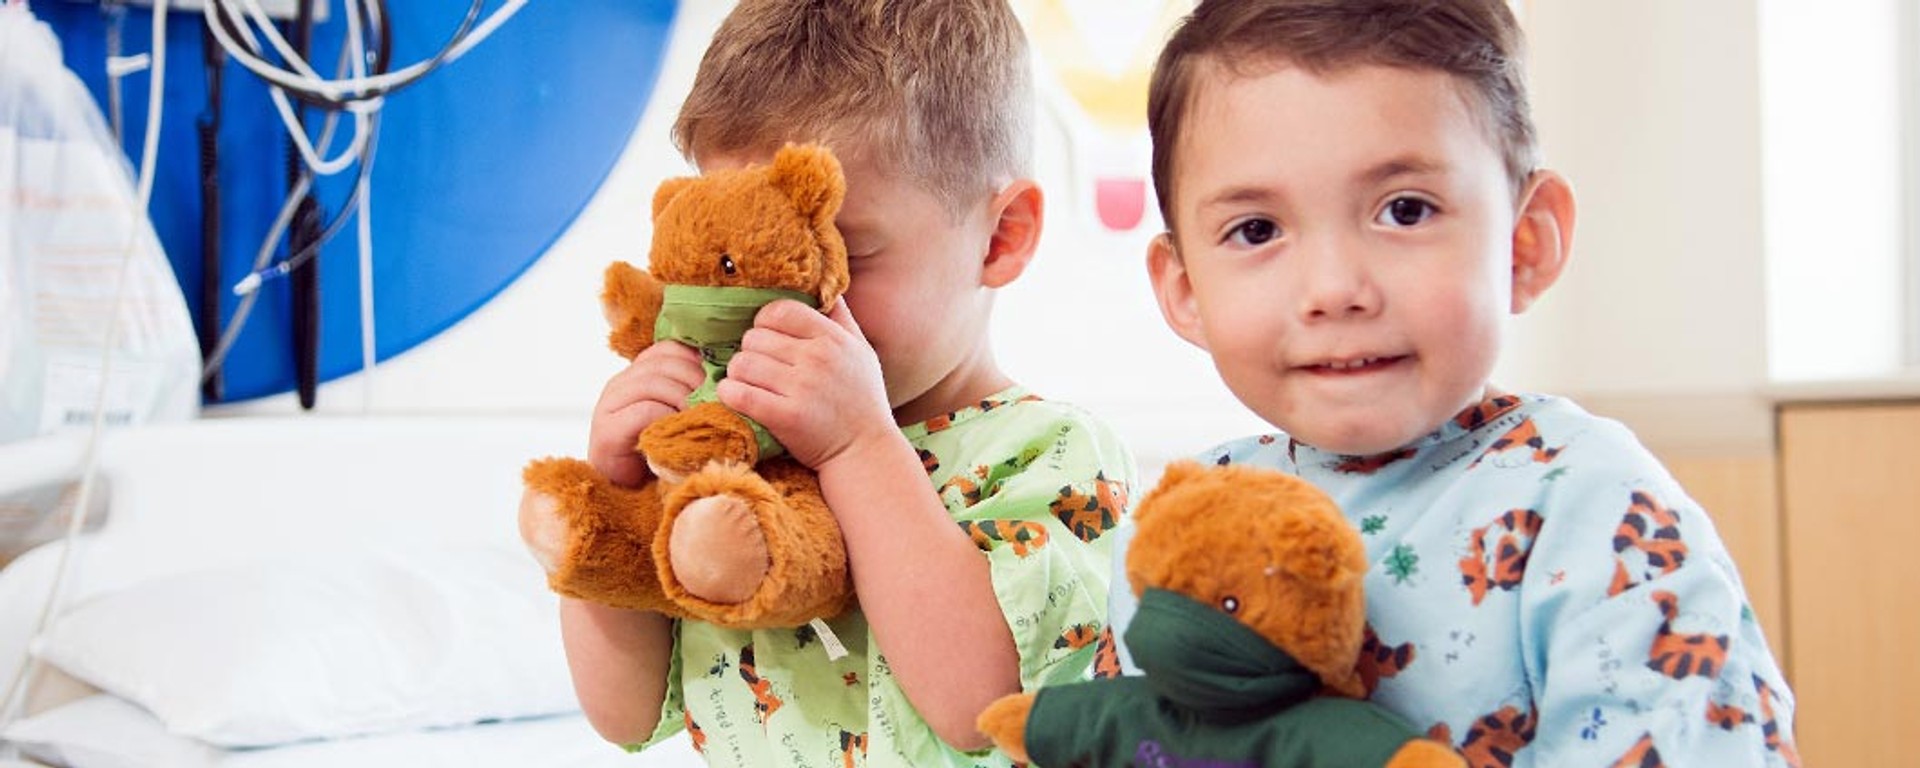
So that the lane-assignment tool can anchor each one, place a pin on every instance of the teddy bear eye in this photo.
(726, 264)
(1230, 604)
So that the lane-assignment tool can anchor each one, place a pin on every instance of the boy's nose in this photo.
(1335, 283)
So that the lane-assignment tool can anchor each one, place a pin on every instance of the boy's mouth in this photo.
(1355, 365)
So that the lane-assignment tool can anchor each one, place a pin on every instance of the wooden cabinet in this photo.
(1850, 501)
(1741, 493)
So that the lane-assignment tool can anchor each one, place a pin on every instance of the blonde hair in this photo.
(937, 91)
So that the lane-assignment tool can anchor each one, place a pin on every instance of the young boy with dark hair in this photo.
(1355, 204)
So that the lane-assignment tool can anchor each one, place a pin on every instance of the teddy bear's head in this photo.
(765, 226)
(1266, 548)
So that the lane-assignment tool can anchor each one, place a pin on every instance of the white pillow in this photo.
(102, 731)
(323, 646)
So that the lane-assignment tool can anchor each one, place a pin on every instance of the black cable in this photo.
(305, 278)
(208, 126)
(305, 285)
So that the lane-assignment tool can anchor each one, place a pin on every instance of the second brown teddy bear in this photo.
(1250, 622)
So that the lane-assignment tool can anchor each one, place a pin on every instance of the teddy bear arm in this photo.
(631, 301)
(1425, 753)
(1005, 722)
(593, 537)
(683, 443)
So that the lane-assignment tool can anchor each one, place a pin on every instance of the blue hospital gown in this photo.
(1543, 593)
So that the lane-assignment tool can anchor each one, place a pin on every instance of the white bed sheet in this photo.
(139, 741)
(221, 492)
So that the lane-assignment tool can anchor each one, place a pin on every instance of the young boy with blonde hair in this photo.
(963, 499)
(1354, 204)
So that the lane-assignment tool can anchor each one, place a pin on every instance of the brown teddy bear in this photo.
(1249, 627)
(727, 529)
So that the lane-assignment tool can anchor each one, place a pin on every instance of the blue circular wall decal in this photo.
(480, 167)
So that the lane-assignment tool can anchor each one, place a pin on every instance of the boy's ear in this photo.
(1019, 212)
(1542, 237)
(1174, 290)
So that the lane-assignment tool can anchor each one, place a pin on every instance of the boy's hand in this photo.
(811, 379)
(655, 385)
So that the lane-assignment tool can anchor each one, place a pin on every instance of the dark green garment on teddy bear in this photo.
(712, 319)
(1216, 695)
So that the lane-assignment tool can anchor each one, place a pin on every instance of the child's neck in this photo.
(967, 384)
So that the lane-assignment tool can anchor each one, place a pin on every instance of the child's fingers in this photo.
(753, 401)
(793, 319)
(842, 315)
(612, 439)
(767, 341)
(675, 360)
(758, 370)
(666, 371)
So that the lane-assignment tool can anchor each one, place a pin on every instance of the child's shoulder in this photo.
(1014, 410)
(1023, 428)
(1552, 425)
(1586, 476)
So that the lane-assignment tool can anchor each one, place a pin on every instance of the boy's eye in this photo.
(726, 264)
(1254, 232)
(1405, 212)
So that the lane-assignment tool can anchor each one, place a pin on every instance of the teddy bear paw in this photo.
(686, 442)
(717, 550)
(1005, 722)
(543, 529)
(668, 474)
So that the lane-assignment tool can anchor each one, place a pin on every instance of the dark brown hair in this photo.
(936, 90)
(1476, 41)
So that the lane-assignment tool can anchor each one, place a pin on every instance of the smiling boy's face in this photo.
(1343, 249)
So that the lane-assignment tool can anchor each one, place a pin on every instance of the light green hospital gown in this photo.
(1035, 484)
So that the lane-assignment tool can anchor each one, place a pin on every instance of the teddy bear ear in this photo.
(1175, 473)
(669, 189)
(1179, 472)
(1322, 549)
(811, 178)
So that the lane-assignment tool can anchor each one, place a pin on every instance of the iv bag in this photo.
(68, 223)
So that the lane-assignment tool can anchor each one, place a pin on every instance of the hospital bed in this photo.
(282, 593)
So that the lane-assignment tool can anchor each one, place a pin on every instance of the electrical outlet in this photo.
(279, 9)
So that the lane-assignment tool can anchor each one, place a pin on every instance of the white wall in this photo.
(1834, 185)
(1652, 109)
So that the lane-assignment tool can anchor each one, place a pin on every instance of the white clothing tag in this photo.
(828, 640)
